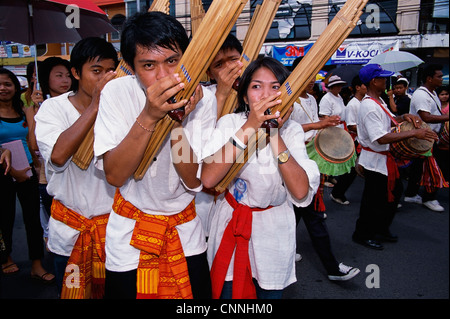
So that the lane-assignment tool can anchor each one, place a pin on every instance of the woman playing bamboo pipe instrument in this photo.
(259, 198)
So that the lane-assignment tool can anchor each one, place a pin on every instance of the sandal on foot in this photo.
(42, 278)
(10, 269)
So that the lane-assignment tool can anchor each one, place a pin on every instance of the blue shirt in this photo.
(12, 129)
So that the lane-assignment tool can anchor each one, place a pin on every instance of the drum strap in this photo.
(299, 102)
(428, 92)
(397, 125)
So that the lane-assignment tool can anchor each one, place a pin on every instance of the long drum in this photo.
(443, 136)
(333, 150)
(411, 147)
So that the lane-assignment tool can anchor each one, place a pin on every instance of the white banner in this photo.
(362, 53)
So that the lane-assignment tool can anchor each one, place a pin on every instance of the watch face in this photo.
(283, 157)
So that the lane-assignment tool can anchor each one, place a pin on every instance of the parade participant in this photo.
(351, 113)
(223, 73)
(82, 198)
(426, 104)
(256, 207)
(18, 182)
(382, 186)
(305, 113)
(225, 69)
(332, 103)
(160, 207)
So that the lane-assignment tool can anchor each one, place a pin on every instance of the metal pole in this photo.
(30, 12)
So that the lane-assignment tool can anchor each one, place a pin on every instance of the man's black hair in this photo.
(356, 81)
(231, 42)
(151, 30)
(89, 49)
(430, 70)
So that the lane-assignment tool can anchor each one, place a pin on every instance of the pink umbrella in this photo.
(49, 21)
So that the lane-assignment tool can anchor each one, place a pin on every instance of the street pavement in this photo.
(416, 267)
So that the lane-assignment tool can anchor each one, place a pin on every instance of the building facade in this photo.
(418, 26)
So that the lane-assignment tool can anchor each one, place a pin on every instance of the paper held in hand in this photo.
(19, 160)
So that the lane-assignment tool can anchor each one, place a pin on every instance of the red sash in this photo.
(235, 238)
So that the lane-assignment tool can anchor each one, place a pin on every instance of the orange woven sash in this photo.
(86, 278)
(162, 271)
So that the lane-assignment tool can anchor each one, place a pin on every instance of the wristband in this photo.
(237, 143)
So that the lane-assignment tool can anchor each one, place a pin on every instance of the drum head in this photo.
(417, 145)
(335, 144)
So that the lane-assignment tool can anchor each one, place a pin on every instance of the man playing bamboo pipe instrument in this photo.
(224, 73)
(225, 70)
(82, 198)
(155, 245)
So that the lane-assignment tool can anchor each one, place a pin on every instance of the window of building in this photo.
(117, 21)
(292, 21)
(378, 18)
(434, 16)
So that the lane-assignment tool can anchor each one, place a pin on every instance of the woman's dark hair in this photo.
(30, 71)
(16, 102)
(45, 69)
(151, 30)
(442, 88)
(89, 49)
(278, 69)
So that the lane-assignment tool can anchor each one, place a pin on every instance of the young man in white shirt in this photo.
(155, 244)
(426, 104)
(351, 114)
(382, 187)
(305, 113)
(223, 74)
(82, 198)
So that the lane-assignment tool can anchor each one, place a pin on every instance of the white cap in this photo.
(403, 80)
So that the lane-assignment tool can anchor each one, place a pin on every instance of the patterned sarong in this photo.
(86, 276)
(432, 177)
(162, 271)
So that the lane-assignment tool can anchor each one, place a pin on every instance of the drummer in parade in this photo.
(426, 104)
(382, 186)
(305, 113)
